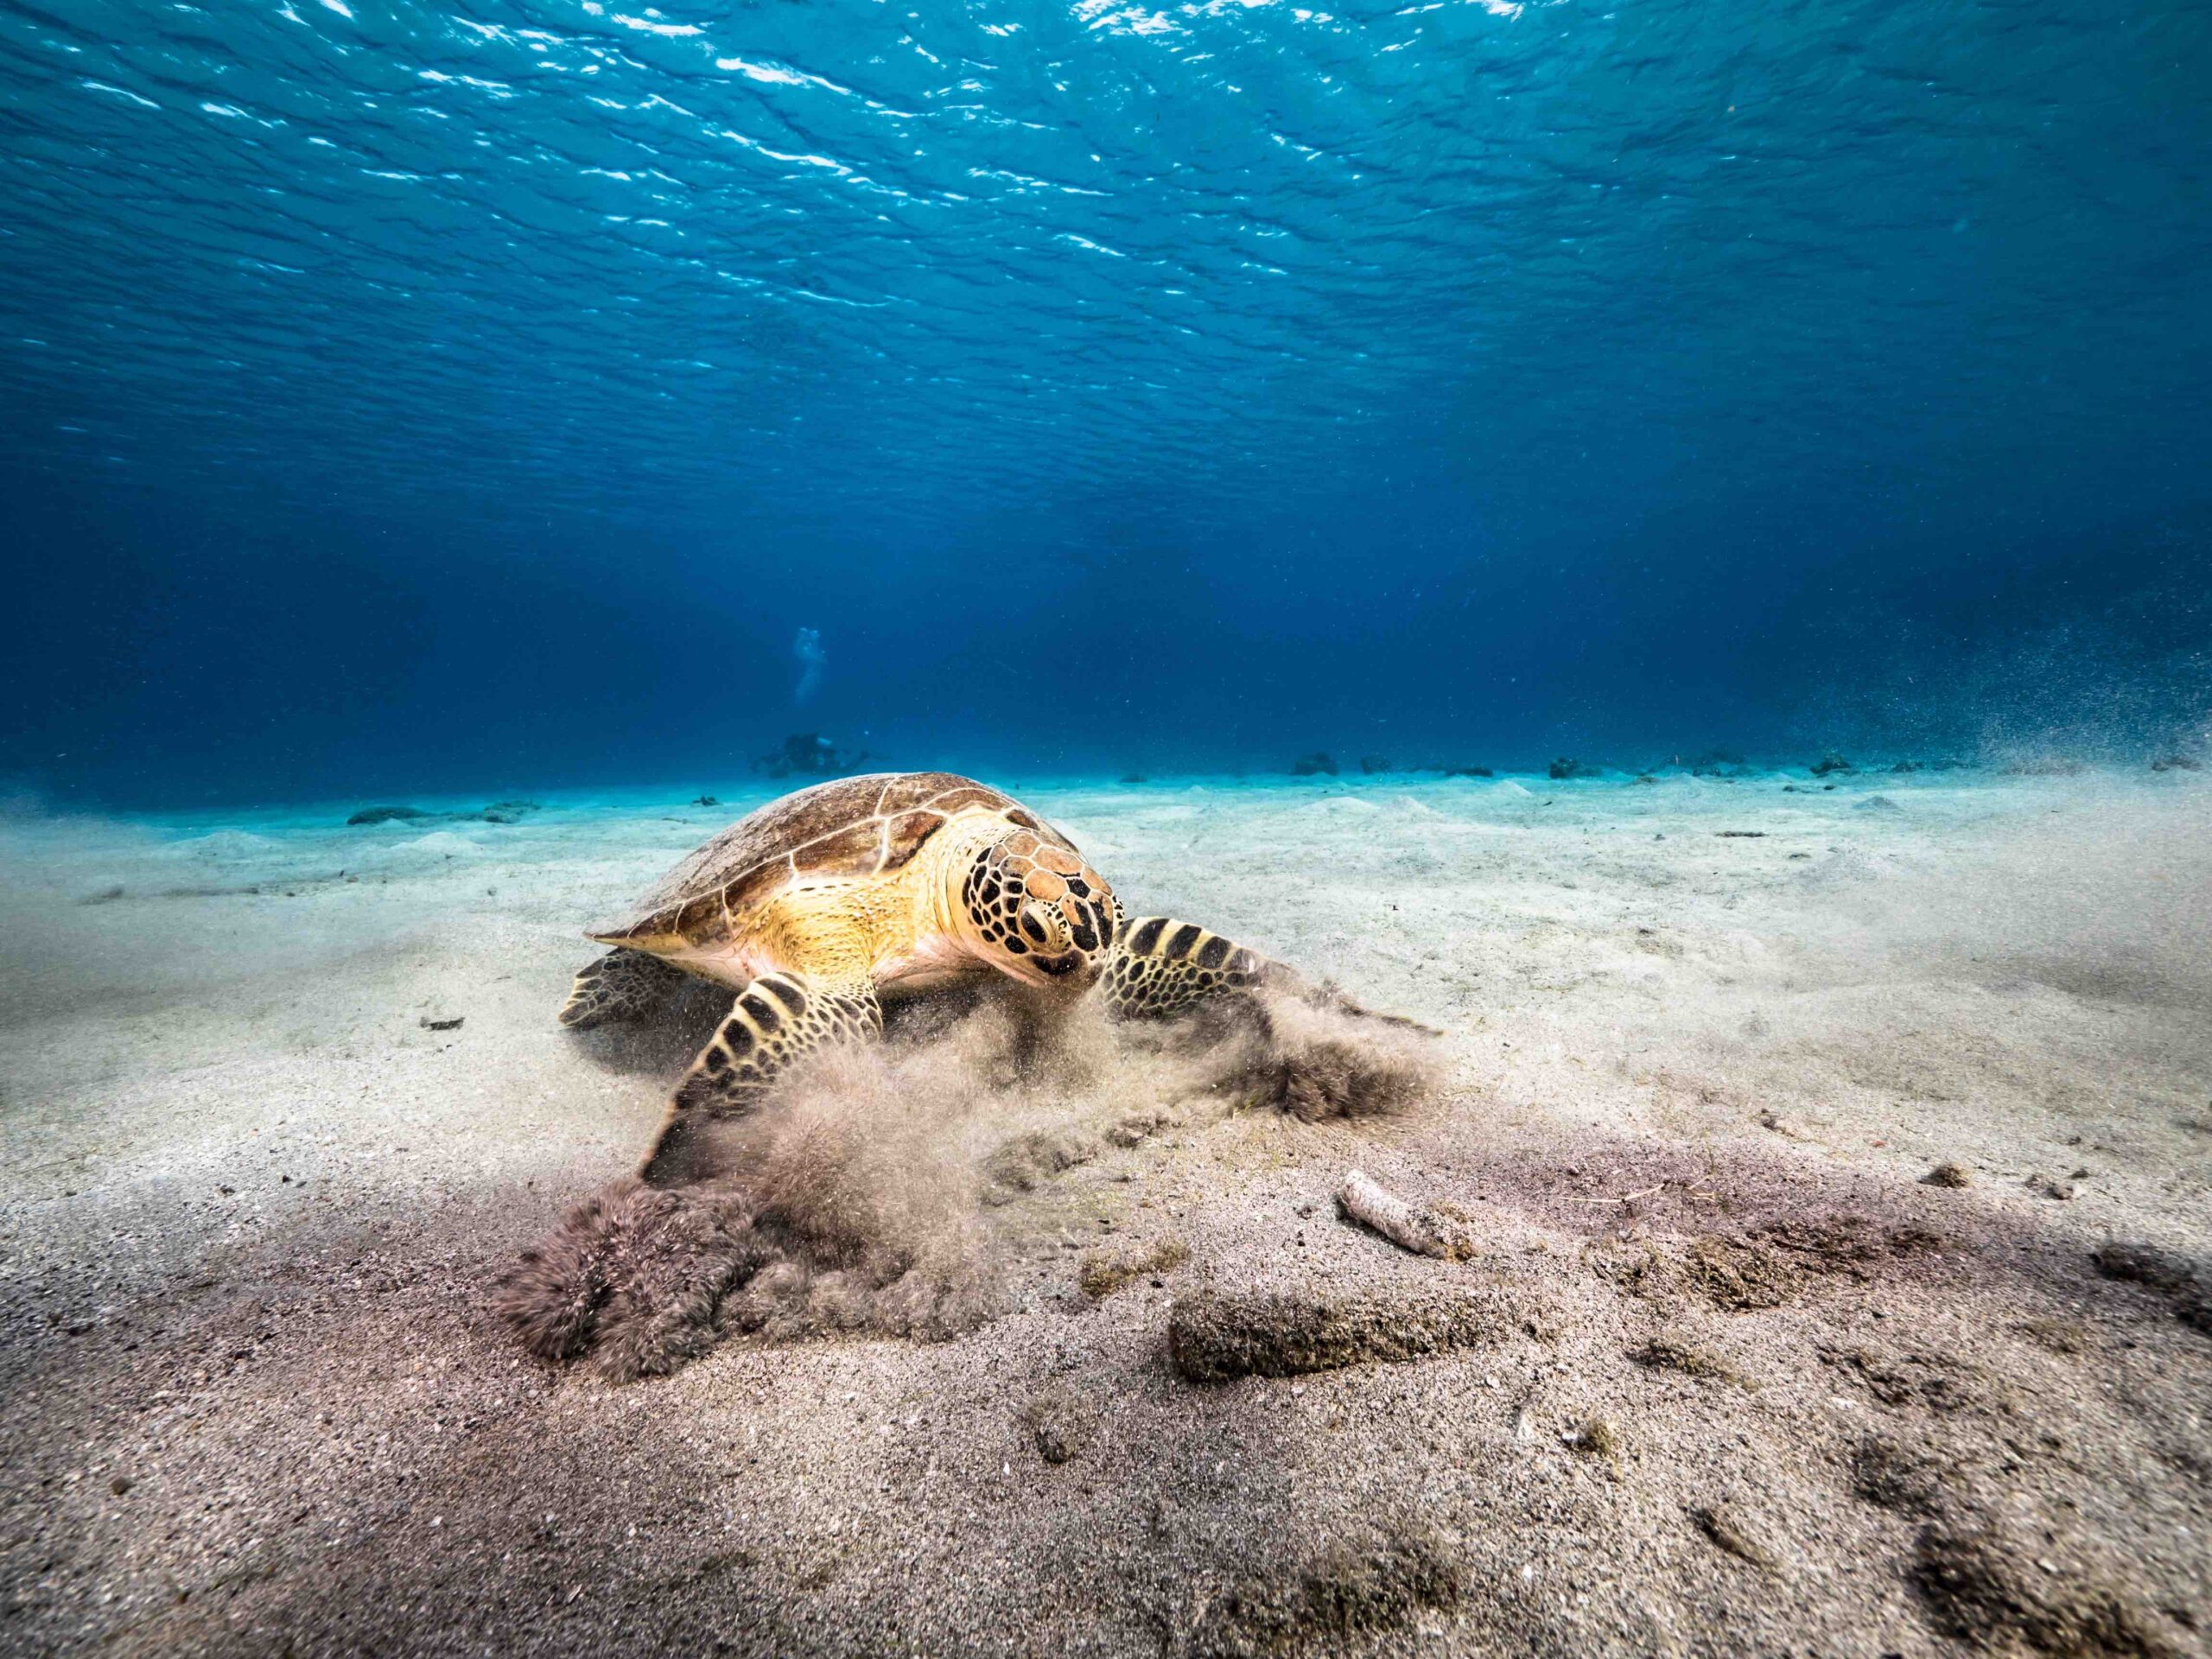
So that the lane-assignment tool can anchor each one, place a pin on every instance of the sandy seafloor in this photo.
(249, 1206)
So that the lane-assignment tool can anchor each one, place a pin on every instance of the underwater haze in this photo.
(421, 397)
(1619, 595)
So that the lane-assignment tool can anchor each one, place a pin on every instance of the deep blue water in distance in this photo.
(429, 398)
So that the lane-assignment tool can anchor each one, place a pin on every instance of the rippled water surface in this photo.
(1238, 372)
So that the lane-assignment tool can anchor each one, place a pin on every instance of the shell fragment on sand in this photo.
(1409, 1226)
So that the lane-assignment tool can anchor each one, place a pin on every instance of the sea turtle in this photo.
(813, 905)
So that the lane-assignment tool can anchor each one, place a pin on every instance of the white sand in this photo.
(251, 1206)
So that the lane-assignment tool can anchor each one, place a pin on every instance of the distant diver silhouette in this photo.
(812, 660)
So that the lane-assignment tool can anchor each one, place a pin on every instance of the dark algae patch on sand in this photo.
(2185, 1281)
(1371, 1586)
(1997, 1594)
(1737, 1275)
(1213, 1336)
(1745, 1273)
(1104, 1272)
(1668, 1352)
(1892, 1475)
(1720, 1523)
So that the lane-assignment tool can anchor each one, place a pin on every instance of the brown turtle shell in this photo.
(851, 829)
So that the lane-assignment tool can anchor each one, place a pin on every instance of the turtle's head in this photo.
(1037, 912)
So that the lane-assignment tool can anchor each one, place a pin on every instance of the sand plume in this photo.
(886, 1188)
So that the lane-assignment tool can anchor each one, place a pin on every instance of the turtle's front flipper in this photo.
(621, 985)
(776, 1020)
(1161, 967)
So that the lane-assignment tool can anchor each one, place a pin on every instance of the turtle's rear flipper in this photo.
(776, 1020)
(621, 985)
(1161, 967)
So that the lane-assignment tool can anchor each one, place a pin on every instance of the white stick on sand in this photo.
(1409, 1226)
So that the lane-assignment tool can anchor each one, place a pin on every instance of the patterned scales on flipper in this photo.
(1161, 967)
(621, 985)
(778, 1019)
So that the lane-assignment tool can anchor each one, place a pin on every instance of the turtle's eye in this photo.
(1042, 928)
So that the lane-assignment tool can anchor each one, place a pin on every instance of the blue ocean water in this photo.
(471, 399)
